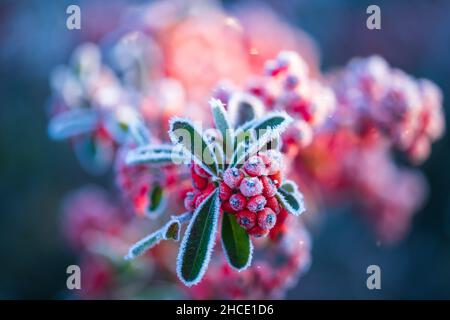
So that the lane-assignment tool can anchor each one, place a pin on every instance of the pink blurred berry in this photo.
(267, 219)
(251, 186)
(269, 187)
(246, 219)
(255, 166)
(189, 200)
(225, 192)
(256, 203)
(238, 202)
(233, 177)
(273, 204)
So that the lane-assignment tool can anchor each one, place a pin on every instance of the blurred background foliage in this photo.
(35, 173)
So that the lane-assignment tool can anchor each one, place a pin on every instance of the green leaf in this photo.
(277, 121)
(140, 247)
(72, 123)
(292, 202)
(253, 148)
(154, 155)
(289, 186)
(182, 132)
(172, 230)
(223, 125)
(236, 243)
(198, 241)
(158, 202)
(243, 108)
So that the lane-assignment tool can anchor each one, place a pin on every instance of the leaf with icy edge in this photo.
(145, 244)
(244, 107)
(278, 121)
(170, 231)
(256, 146)
(195, 137)
(158, 202)
(219, 154)
(72, 123)
(157, 155)
(292, 202)
(266, 131)
(139, 132)
(236, 243)
(223, 125)
(243, 141)
(198, 241)
(289, 186)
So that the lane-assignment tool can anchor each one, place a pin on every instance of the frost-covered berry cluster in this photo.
(250, 192)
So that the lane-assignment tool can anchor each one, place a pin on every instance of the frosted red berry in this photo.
(272, 160)
(238, 202)
(273, 204)
(198, 182)
(251, 186)
(225, 192)
(233, 177)
(277, 179)
(204, 194)
(269, 187)
(200, 171)
(227, 207)
(255, 166)
(258, 232)
(266, 219)
(246, 219)
(256, 203)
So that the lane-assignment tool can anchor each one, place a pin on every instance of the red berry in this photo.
(258, 232)
(227, 207)
(277, 179)
(225, 192)
(251, 186)
(238, 202)
(200, 171)
(273, 161)
(255, 166)
(189, 200)
(269, 187)
(246, 219)
(233, 177)
(204, 194)
(256, 203)
(280, 227)
(266, 218)
(265, 158)
(273, 204)
(198, 182)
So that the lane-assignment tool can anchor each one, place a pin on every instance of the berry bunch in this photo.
(250, 192)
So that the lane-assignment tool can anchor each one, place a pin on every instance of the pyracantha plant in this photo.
(236, 171)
